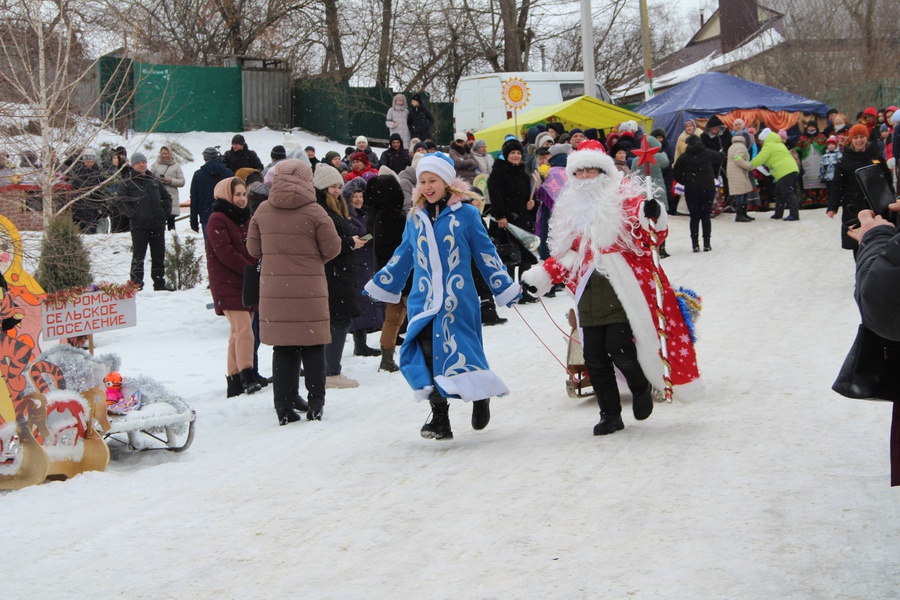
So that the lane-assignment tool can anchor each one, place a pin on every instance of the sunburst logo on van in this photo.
(516, 93)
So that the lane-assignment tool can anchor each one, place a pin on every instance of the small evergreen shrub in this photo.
(64, 261)
(184, 268)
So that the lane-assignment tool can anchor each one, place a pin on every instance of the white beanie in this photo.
(326, 176)
(761, 136)
(625, 126)
(440, 164)
(459, 136)
(363, 139)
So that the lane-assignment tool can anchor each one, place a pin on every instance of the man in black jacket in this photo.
(240, 156)
(203, 184)
(144, 200)
(878, 296)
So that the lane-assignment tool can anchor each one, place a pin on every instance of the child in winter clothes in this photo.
(829, 161)
(442, 355)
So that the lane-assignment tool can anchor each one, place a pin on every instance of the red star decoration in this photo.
(645, 155)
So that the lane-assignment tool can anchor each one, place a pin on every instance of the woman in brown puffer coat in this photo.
(294, 237)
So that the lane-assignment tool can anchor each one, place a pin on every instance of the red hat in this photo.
(871, 111)
(470, 136)
(831, 140)
(858, 129)
(360, 156)
(591, 145)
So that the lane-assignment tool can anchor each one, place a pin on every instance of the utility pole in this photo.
(587, 49)
(645, 42)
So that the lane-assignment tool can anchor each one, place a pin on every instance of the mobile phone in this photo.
(366, 237)
(852, 223)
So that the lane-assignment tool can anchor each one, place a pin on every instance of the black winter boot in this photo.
(438, 427)
(489, 314)
(695, 243)
(609, 423)
(262, 381)
(706, 246)
(248, 381)
(234, 386)
(316, 409)
(287, 415)
(642, 404)
(300, 404)
(387, 361)
(742, 216)
(360, 345)
(481, 414)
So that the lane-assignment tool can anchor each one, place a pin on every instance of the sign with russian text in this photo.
(87, 313)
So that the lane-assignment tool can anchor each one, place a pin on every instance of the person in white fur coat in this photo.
(599, 247)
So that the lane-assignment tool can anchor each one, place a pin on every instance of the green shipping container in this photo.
(175, 99)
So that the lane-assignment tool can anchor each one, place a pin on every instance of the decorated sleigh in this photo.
(163, 420)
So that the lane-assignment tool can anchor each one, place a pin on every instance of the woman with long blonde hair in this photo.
(442, 355)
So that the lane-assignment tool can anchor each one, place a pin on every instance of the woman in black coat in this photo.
(420, 119)
(340, 272)
(371, 312)
(845, 190)
(386, 222)
(696, 169)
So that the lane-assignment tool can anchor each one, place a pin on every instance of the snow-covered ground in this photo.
(771, 487)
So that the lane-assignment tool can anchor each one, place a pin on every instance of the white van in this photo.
(478, 102)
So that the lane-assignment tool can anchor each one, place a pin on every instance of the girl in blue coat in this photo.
(443, 353)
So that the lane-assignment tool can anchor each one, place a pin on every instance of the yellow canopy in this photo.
(583, 112)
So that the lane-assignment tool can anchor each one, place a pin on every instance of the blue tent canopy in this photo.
(717, 93)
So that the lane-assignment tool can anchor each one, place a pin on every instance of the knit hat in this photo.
(543, 138)
(420, 146)
(634, 126)
(245, 172)
(329, 156)
(308, 148)
(575, 130)
(278, 153)
(210, 154)
(616, 148)
(362, 139)
(783, 134)
(831, 140)
(357, 184)
(326, 176)
(238, 139)
(459, 136)
(590, 154)
(624, 126)
(478, 144)
(557, 149)
(858, 129)
(440, 164)
(258, 192)
(138, 157)
(738, 124)
(470, 136)
(385, 170)
(658, 132)
(89, 154)
(295, 167)
(360, 156)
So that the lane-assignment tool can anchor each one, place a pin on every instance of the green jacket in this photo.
(777, 158)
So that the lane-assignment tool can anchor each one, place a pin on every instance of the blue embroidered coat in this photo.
(444, 296)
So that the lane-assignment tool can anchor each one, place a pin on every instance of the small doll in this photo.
(113, 383)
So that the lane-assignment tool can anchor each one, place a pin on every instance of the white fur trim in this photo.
(510, 293)
(474, 385)
(539, 278)
(380, 294)
(437, 269)
(689, 392)
(423, 393)
(569, 260)
(583, 159)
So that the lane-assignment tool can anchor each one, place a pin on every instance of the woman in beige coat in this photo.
(737, 171)
(167, 170)
(294, 237)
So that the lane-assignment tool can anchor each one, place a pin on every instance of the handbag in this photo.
(250, 287)
(871, 370)
(507, 248)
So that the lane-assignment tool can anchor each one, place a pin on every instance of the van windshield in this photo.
(574, 90)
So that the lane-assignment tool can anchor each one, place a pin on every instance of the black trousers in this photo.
(156, 239)
(606, 346)
(286, 362)
(700, 206)
(786, 196)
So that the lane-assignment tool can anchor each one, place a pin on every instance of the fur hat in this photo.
(590, 154)
(616, 148)
(210, 154)
(557, 149)
(764, 134)
(511, 146)
(557, 127)
(325, 177)
(384, 192)
(658, 132)
(440, 164)
(138, 157)
(543, 138)
(362, 139)
(858, 129)
(293, 166)
(357, 184)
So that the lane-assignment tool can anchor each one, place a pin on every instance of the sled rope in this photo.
(565, 368)
(555, 324)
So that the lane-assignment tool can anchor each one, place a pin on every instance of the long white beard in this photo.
(593, 210)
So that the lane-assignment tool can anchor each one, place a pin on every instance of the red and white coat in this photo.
(631, 276)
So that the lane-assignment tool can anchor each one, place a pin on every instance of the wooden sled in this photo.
(579, 384)
(163, 421)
